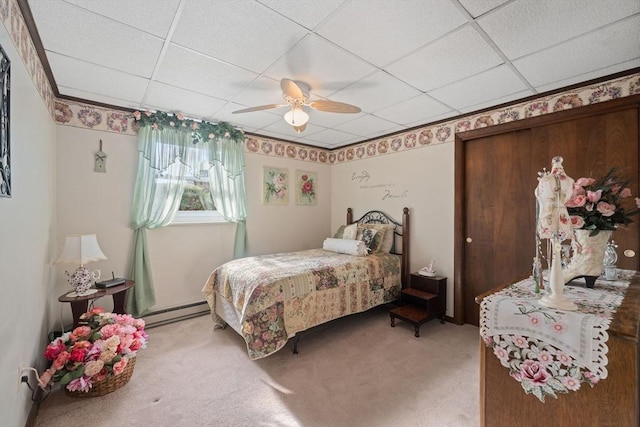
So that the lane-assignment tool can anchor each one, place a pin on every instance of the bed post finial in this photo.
(349, 216)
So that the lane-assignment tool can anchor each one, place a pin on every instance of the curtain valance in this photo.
(186, 137)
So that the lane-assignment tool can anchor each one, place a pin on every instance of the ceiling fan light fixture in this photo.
(296, 117)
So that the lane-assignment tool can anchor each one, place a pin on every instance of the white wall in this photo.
(90, 202)
(182, 256)
(420, 179)
(27, 234)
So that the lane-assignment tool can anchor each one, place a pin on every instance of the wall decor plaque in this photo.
(5, 148)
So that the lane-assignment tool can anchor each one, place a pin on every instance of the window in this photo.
(196, 205)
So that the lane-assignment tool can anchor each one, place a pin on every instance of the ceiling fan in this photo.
(296, 95)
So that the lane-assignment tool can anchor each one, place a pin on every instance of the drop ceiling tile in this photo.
(454, 57)
(144, 15)
(366, 93)
(480, 7)
(283, 128)
(191, 104)
(249, 121)
(94, 38)
(345, 143)
(419, 108)
(308, 132)
(589, 76)
(524, 26)
(493, 84)
(366, 126)
(331, 120)
(383, 31)
(584, 54)
(276, 135)
(94, 97)
(261, 91)
(191, 70)
(231, 31)
(497, 101)
(452, 113)
(308, 13)
(330, 136)
(321, 64)
(93, 78)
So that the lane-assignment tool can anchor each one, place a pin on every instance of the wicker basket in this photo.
(110, 384)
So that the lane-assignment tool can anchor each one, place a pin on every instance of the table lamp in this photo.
(81, 249)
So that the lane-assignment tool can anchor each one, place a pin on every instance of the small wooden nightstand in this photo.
(423, 300)
(80, 304)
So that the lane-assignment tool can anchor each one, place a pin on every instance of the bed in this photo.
(269, 299)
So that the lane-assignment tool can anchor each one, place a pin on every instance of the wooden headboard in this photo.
(401, 231)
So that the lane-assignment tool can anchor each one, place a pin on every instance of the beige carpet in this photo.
(355, 371)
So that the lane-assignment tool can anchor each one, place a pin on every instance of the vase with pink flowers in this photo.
(596, 208)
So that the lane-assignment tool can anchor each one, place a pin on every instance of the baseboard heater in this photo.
(175, 314)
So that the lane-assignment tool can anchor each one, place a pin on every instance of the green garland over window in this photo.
(201, 131)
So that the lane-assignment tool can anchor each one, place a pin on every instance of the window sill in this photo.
(198, 217)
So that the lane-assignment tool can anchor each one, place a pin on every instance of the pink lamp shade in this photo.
(80, 249)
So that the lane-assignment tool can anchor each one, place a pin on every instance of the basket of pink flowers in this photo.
(97, 357)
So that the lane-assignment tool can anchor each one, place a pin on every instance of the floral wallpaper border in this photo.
(13, 21)
(109, 120)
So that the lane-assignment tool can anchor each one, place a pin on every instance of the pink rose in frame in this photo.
(305, 188)
(275, 186)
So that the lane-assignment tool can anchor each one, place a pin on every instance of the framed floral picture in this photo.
(5, 147)
(305, 188)
(275, 186)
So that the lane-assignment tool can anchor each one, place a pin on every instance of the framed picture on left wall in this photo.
(275, 186)
(5, 147)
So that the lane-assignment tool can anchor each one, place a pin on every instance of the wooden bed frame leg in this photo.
(295, 343)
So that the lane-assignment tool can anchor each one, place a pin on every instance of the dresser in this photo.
(613, 401)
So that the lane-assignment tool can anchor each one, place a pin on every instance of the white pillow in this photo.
(344, 246)
(350, 232)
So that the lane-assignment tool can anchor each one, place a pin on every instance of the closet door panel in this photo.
(500, 173)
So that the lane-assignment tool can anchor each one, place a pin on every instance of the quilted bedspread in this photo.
(280, 294)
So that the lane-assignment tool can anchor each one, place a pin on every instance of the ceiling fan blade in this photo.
(259, 108)
(300, 128)
(334, 107)
(291, 89)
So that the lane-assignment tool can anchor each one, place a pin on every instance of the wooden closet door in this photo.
(500, 178)
(498, 219)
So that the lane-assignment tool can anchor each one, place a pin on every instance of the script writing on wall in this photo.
(388, 190)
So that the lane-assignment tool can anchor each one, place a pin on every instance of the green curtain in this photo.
(164, 156)
(156, 200)
(226, 181)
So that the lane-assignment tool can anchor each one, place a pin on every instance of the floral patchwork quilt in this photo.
(281, 294)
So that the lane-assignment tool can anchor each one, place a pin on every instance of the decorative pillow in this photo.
(387, 240)
(377, 238)
(344, 246)
(339, 232)
(350, 232)
(367, 237)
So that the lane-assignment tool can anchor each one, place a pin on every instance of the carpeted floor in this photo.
(355, 371)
